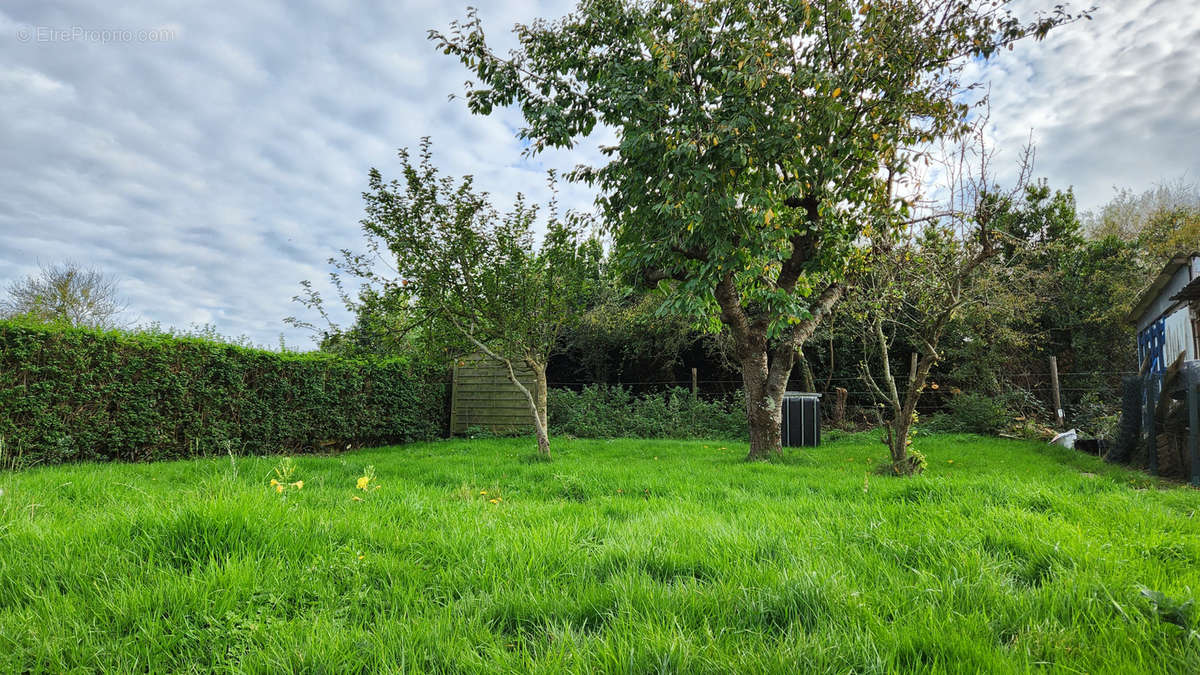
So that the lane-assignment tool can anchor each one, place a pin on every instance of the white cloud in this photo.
(214, 170)
(1110, 102)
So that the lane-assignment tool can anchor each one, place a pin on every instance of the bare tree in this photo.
(67, 292)
(921, 275)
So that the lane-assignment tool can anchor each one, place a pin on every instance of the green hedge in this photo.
(73, 394)
(601, 411)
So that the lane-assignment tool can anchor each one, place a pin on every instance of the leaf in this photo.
(837, 92)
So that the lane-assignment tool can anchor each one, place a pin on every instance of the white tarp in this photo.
(1177, 336)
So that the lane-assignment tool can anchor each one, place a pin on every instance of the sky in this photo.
(213, 155)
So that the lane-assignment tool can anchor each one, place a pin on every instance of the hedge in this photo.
(73, 394)
(603, 411)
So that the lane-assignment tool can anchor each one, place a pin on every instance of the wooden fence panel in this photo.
(482, 396)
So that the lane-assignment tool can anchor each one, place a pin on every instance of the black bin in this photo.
(801, 423)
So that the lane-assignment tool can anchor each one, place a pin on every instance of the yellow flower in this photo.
(356, 499)
(274, 482)
(494, 501)
(363, 482)
(299, 484)
(279, 487)
(483, 492)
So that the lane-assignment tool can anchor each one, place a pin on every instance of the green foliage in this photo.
(1094, 416)
(626, 334)
(753, 136)
(757, 142)
(1160, 222)
(623, 556)
(76, 394)
(465, 271)
(971, 413)
(601, 411)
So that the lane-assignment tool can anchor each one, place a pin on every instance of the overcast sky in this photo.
(212, 155)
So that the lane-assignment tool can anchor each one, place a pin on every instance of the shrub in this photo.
(971, 413)
(73, 394)
(602, 411)
(1094, 417)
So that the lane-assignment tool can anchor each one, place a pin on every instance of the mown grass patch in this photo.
(618, 556)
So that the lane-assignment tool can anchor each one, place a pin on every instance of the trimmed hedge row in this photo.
(74, 394)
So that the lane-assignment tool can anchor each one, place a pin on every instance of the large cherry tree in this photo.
(756, 141)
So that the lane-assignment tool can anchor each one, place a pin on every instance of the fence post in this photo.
(1152, 386)
(695, 383)
(1058, 411)
(453, 397)
(1193, 394)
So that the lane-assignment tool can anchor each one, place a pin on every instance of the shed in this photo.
(1166, 316)
(483, 396)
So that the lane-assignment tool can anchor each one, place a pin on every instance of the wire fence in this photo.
(703, 384)
(862, 405)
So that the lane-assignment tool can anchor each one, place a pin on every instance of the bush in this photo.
(971, 413)
(602, 411)
(71, 394)
(1094, 417)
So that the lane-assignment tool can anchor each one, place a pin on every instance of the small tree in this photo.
(68, 293)
(752, 139)
(471, 275)
(920, 278)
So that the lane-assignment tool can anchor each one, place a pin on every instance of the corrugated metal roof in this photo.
(1160, 282)
(1189, 292)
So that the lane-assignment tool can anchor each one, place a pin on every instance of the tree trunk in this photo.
(764, 408)
(766, 368)
(898, 435)
(807, 373)
(541, 421)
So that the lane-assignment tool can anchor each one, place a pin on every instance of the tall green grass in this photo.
(618, 556)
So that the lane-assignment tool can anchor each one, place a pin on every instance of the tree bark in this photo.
(765, 367)
(540, 420)
(810, 383)
(764, 405)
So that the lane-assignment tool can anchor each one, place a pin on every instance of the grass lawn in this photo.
(619, 556)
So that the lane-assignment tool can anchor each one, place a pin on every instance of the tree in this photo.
(468, 274)
(1165, 219)
(68, 293)
(756, 141)
(919, 279)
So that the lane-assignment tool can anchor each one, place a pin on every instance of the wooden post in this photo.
(839, 406)
(695, 383)
(453, 396)
(1058, 411)
(1152, 387)
(1193, 401)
